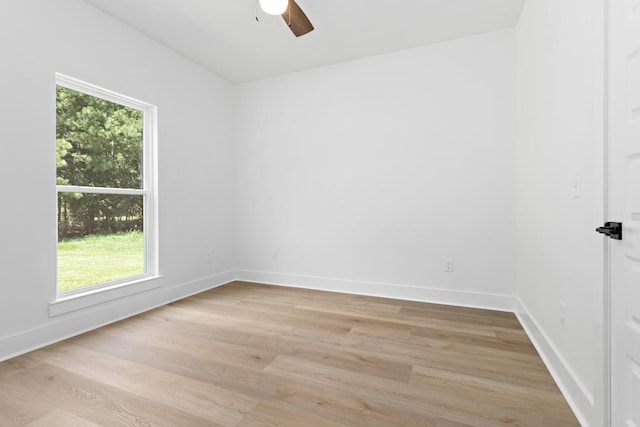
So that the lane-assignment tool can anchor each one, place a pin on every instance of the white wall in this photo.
(365, 176)
(559, 131)
(41, 37)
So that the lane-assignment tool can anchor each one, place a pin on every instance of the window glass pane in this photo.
(98, 143)
(100, 238)
(80, 214)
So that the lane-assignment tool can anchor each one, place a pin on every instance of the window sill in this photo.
(67, 304)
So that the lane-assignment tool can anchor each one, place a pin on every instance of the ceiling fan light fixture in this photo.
(274, 7)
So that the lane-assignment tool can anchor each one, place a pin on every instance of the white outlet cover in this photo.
(448, 265)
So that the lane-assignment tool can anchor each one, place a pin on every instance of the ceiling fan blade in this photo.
(297, 20)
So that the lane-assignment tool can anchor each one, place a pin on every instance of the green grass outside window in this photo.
(95, 259)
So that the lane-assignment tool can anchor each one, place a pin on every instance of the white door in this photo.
(624, 187)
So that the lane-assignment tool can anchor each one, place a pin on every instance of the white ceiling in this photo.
(223, 35)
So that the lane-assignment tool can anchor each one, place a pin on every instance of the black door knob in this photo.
(611, 229)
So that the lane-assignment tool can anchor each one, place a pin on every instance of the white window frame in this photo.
(98, 293)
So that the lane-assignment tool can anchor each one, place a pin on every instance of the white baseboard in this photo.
(577, 394)
(81, 321)
(386, 290)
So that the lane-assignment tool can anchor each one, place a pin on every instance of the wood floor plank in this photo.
(461, 314)
(284, 319)
(16, 366)
(19, 407)
(407, 320)
(90, 400)
(495, 396)
(61, 418)
(432, 402)
(299, 393)
(174, 391)
(415, 345)
(229, 353)
(334, 354)
(248, 354)
(509, 369)
(272, 414)
(348, 408)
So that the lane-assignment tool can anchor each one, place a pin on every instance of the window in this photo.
(105, 181)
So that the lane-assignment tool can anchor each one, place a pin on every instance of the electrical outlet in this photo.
(274, 255)
(563, 313)
(448, 265)
(209, 257)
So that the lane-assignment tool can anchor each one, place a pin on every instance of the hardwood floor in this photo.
(256, 355)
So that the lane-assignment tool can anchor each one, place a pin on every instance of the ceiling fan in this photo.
(292, 14)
